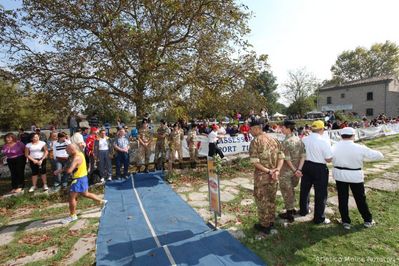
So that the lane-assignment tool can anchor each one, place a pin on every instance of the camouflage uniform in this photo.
(145, 151)
(175, 144)
(192, 144)
(160, 146)
(294, 151)
(266, 151)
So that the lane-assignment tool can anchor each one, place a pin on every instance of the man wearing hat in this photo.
(294, 151)
(266, 154)
(348, 163)
(315, 172)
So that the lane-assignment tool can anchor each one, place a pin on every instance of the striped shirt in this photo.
(59, 149)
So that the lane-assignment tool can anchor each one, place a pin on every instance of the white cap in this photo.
(347, 131)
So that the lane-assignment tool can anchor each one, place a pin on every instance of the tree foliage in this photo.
(20, 106)
(381, 59)
(140, 51)
(300, 91)
(265, 84)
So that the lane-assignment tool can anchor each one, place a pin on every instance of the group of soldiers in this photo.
(166, 137)
(276, 164)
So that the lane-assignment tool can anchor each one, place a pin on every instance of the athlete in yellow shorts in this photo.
(80, 184)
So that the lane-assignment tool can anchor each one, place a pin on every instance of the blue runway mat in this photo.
(160, 228)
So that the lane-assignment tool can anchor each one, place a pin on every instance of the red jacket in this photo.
(244, 129)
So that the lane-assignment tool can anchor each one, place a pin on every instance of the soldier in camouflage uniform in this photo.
(192, 144)
(160, 146)
(175, 143)
(294, 151)
(266, 153)
(145, 140)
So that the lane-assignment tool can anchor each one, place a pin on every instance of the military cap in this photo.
(288, 123)
(255, 122)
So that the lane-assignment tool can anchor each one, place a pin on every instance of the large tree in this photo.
(299, 91)
(141, 51)
(266, 85)
(381, 59)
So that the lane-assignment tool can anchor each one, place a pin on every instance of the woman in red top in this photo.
(14, 150)
(244, 129)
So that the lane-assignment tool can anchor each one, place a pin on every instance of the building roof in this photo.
(360, 82)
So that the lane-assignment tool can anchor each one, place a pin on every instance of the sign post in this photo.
(213, 190)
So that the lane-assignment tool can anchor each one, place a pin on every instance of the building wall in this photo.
(357, 97)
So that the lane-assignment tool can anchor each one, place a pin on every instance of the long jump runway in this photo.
(146, 223)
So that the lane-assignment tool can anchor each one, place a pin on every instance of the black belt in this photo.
(346, 168)
(321, 164)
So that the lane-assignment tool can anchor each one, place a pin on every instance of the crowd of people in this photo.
(300, 157)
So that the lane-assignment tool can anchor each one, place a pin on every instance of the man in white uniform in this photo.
(348, 163)
(315, 173)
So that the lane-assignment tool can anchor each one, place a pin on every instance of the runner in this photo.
(80, 184)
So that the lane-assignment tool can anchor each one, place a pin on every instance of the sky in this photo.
(312, 33)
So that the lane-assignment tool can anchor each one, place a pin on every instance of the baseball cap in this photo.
(348, 131)
(214, 126)
(318, 124)
(93, 129)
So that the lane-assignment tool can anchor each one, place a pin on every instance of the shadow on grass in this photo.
(286, 247)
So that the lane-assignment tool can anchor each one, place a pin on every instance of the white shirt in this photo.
(348, 154)
(213, 137)
(59, 149)
(77, 138)
(317, 148)
(103, 144)
(36, 150)
(221, 130)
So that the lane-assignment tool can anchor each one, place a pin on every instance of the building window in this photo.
(329, 101)
(369, 96)
(369, 112)
(342, 95)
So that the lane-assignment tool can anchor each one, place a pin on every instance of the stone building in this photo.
(369, 97)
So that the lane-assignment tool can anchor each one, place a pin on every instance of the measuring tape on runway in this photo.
(165, 247)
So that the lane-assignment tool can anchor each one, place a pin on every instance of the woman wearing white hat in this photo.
(348, 163)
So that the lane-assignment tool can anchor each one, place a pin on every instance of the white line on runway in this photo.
(165, 247)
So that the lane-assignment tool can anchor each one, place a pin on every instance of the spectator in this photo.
(23, 136)
(90, 148)
(41, 134)
(72, 124)
(221, 130)
(121, 146)
(103, 152)
(134, 133)
(85, 133)
(53, 138)
(93, 121)
(244, 129)
(78, 139)
(107, 127)
(14, 151)
(36, 152)
(61, 158)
